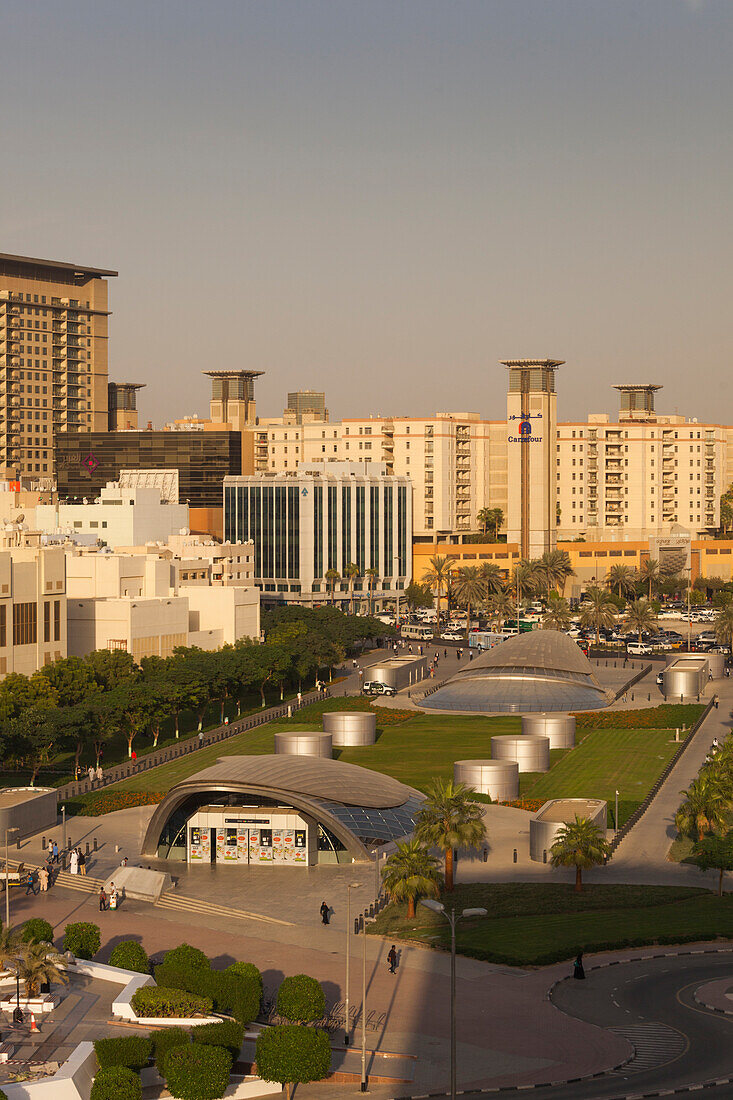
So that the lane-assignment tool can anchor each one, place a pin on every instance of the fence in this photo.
(634, 680)
(642, 809)
(192, 743)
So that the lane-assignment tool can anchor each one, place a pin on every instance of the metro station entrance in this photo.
(215, 835)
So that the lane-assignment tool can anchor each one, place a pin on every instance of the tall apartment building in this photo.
(317, 519)
(53, 359)
(306, 404)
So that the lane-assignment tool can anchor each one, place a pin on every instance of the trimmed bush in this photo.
(116, 1083)
(228, 991)
(227, 1033)
(151, 1001)
(82, 939)
(130, 955)
(166, 1039)
(248, 971)
(132, 1051)
(177, 977)
(197, 1072)
(187, 957)
(290, 1054)
(301, 999)
(37, 930)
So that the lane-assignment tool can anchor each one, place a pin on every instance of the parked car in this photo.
(453, 636)
(660, 678)
(639, 649)
(374, 687)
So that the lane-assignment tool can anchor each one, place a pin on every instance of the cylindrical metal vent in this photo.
(305, 743)
(560, 728)
(351, 727)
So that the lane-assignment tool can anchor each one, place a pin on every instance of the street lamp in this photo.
(367, 920)
(438, 907)
(14, 829)
(351, 886)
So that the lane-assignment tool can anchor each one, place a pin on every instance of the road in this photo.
(679, 1043)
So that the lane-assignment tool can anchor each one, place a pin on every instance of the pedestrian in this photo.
(470, 655)
(50, 848)
(90, 773)
(445, 654)
(420, 650)
(123, 861)
(353, 662)
(201, 739)
(325, 912)
(99, 773)
(392, 959)
(361, 675)
(30, 884)
(578, 971)
(103, 903)
(113, 896)
(74, 863)
(300, 697)
(133, 756)
(43, 879)
(226, 721)
(55, 852)
(82, 863)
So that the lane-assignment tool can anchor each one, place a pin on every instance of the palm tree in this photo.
(580, 844)
(524, 580)
(705, 808)
(554, 567)
(501, 607)
(332, 575)
(649, 573)
(469, 588)
(11, 948)
(39, 964)
(557, 616)
(371, 575)
(641, 617)
(351, 572)
(622, 578)
(438, 577)
(485, 516)
(448, 819)
(411, 873)
(724, 624)
(497, 520)
(597, 611)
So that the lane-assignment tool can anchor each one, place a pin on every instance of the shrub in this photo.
(130, 955)
(166, 1039)
(228, 991)
(247, 970)
(187, 957)
(82, 939)
(290, 1054)
(197, 1072)
(227, 1033)
(151, 1001)
(301, 999)
(132, 1051)
(116, 1083)
(37, 930)
(174, 977)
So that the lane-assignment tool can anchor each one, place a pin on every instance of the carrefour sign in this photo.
(527, 433)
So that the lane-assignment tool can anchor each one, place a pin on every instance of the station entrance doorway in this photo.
(216, 835)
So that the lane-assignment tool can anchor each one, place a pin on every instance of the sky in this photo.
(383, 199)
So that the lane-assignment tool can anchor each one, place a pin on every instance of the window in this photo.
(57, 620)
(3, 625)
(25, 624)
(46, 621)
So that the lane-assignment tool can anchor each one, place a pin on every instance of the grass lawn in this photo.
(535, 924)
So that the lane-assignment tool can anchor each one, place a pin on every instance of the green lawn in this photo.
(536, 924)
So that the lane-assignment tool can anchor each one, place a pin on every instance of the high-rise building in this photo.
(233, 397)
(122, 405)
(306, 404)
(53, 359)
(309, 527)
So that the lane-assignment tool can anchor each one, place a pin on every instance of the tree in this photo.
(291, 1054)
(112, 667)
(32, 735)
(497, 518)
(11, 948)
(40, 964)
(558, 615)
(492, 576)
(371, 575)
(705, 808)
(351, 572)
(597, 611)
(715, 853)
(418, 595)
(449, 818)
(524, 580)
(411, 873)
(641, 617)
(485, 517)
(133, 705)
(580, 844)
(64, 683)
(622, 578)
(301, 999)
(469, 588)
(77, 725)
(500, 607)
(438, 578)
(332, 576)
(724, 624)
(649, 574)
(554, 568)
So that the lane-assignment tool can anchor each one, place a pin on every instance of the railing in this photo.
(192, 743)
(634, 680)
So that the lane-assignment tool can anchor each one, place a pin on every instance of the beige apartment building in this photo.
(53, 360)
(32, 607)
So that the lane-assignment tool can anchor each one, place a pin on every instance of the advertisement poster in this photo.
(242, 850)
(278, 852)
(195, 850)
(265, 854)
(230, 847)
(301, 852)
(220, 844)
(206, 845)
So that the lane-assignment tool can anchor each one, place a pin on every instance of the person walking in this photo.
(113, 896)
(325, 912)
(201, 739)
(82, 863)
(99, 774)
(74, 863)
(55, 852)
(103, 903)
(578, 971)
(30, 884)
(50, 848)
(392, 959)
(43, 880)
(90, 773)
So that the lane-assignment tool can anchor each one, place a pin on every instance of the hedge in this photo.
(130, 955)
(132, 1051)
(197, 1072)
(82, 939)
(116, 1083)
(166, 1039)
(229, 991)
(247, 970)
(190, 958)
(37, 930)
(301, 999)
(151, 1001)
(292, 1054)
(227, 1033)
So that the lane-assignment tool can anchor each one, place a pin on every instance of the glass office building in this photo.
(307, 524)
(86, 461)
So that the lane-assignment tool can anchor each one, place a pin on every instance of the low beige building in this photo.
(32, 608)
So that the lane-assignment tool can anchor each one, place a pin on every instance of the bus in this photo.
(421, 633)
(525, 625)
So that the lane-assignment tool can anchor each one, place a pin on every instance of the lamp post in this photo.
(615, 820)
(14, 829)
(350, 887)
(451, 917)
(367, 920)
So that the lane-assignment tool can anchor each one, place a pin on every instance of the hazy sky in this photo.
(384, 199)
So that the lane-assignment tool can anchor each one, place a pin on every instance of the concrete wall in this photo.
(398, 672)
(39, 812)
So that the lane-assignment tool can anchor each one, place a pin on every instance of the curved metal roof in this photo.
(545, 649)
(317, 777)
